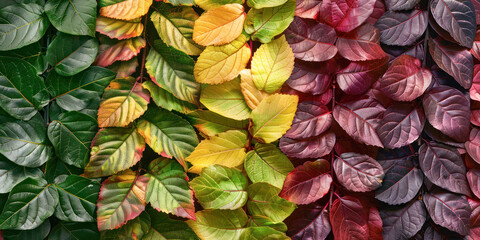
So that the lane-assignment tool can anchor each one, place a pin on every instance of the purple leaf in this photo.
(349, 219)
(475, 90)
(396, 5)
(475, 119)
(474, 219)
(416, 51)
(473, 145)
(358, 77)
(435, 232)
(402, 28)
(358, 172)
(389, 158)
(311, 119)
(307, 8)
(311, 78)
(309, 222)
(403, 223)
(473, 176)
(361, 44)
(313, 147)
(449, 210)
(345, 15)
(378, 11)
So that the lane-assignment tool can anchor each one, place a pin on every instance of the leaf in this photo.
(25, 142)
(208, 225)
(309, 222)
(39, 233)
(361, 44)
(250, 92)
(72, 230)
(126, 10)
(262, 221)
(310, 78)
(311, 42)
(345, 15)
(76, 17)
(124, 68)
(226, 149)
(114, 150)
(54, 168)
(219, 26)
(219, 187)
(307, 8)
(473, 177)
(348, 219)
(358, 77)
(375, 223)
(311, 119)
(314, 147)
(22, 95)
(266, 23)
(22, 24)
(449, 210)
(475, 89)
(33, 53)
(262, 233)
(211, 4)
(448, 110)
(358, 172)
(473, 144)
(266, 163)
(210, 123)
(433, 231)
(360, 119)
(123, 101)
(457, 17)
(12, 174)
(104, 3)
(273, 117)
(175, 27)
(401, 125)
(402, 29)
(389, 158)
(123, 50)
(162, 227)
(219, 64)
(444, 167)
(168, 190)
(272, 65)
(307, 183)
(172, 70)
(405, 80)
(122, 198)
(474, 218)
(119, 29)
(226, 99)
(181, 2)
(396, 5)
(134, 229)
(28, 205)
(456, 61)
(405, 222)
(263, 200)
(166, 100)
(77, 198)
(378, 11)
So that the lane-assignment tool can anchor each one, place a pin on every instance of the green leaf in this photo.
(71, 54)
(74, 231)
(134, 229)
(226, 99)
(21, 23)
(166, 100)
(104, 3)
(22, 94)
(263, 221)
(175, 26)
(266, 163)
(211, 224)
(76, 17)
(172, 70)
(264, 24)
(220, 187)
(182, 2)
(122, 198)
(211, 4)
(38, 233)
(31, 53)
(28, 205)
(265, 3)
(24, 142)
(263, 200)
(168, 134)
(11, 174)
(163, 227)
(77, 198)
(262, 233)
(119, 29)
(211, 124)
(168, 189)
(114, 150)
(76, 92)
(54, 168)
(71, 136)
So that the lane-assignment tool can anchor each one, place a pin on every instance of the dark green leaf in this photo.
(76, 17)
(165, 228)
(11, 174)
(54, 168)
(31, 53)
(134, 229)
(74, 231)
(166, 100)
(104, 3)
(39, 233)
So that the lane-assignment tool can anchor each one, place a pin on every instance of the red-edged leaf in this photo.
(358, 77)
(307, 8)
(375, 224)
(358, 172)
(396, 5)
(345, 15)
(348, 219)
(360, 119)
(474, 218)
(311, 119)
(402, 28)
(361, 44)
(309, 222)
(453, 59)
(476, 42)
(449, 210)
(448, 110)
(111, 51)
(307, 183)
(403, 223)
(401, 125)
(473, 145)
(313, 147)
(475, 89)
(444, 167)
(473, 176)
(378, 11)
(311, 78)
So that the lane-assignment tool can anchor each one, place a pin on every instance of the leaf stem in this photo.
(144, 55)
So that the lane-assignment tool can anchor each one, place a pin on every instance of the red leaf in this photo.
(475, 90)
(345, 15)
(476, 42)
(449, 210)
(474, 219)
(311, 119)
(396, 5)
(323, 98)
(123, 50)
(307, 8)
(378, 11)
(358, 172)
(312, 78)
(358, 77)
(475, 119)
(349, 219)
(309, 222)
(473, 144)
(473, 176)
(405, 222)
(390, 158)
(402, 28)
(375, 224)
(361, 44)
(314, 147)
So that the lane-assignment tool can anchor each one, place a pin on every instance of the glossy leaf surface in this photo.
(357, 172)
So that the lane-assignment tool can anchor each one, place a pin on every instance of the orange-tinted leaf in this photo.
(123, 50)
(126, 10)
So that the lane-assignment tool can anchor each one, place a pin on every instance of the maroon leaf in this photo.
(396, 5)
(434, 232)
(440, 77)
(310, 78)
(360, 119)
(307, 8)
(457, 17)
(449, 210)
(448, 110)
(378, 11)
(476, 42)
(474, 219)
(475, 90)
(358, 172)
(358, 77)
(473, 145)
(311, 119)
(417, 51)
(375, 224)
(402, 28)
(438, 136)
(348, 219)
(475, 119)
(313, 147)
(309, 222)
(379, 96)
(307, 183)
(455, 60)
(345, 15)
(401, 125)
(444, 167)
(473, 176)
(345, 144)
(403, 223)
(311, 41)
(361, 44)
(389, 158)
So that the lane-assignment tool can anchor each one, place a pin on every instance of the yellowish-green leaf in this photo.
(265, 3)
(263, 200)
(166, 100)
(250, 92)
(211, 4)
(126, 10)
(219, 224)
(118, 28)
(211, 124)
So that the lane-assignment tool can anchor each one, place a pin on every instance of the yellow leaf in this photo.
(272, 65)
(219, 64)
(126, 10)
(252, 95)
(220, 25)
(211, 4)
(226, 149)
(273, 117)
